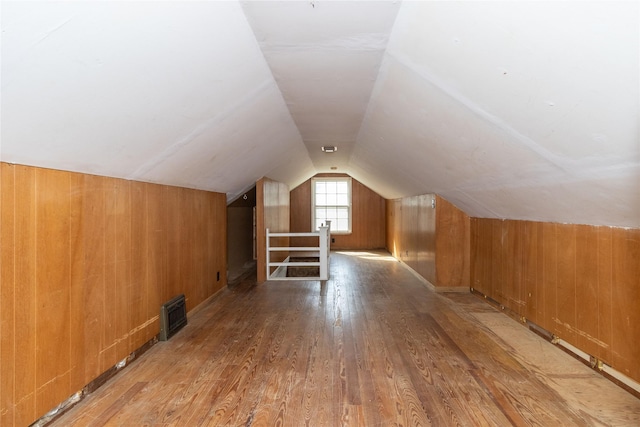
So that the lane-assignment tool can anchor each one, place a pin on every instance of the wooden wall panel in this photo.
(481, 262)
(409, 231)
(24, 190)
(393, 227)
(83, 272)
(540, 277)
(368, 222)
(566, 286)
(496, 284)
(76, 293)
(123, 270)
(604, 260)
(452, 246)
(586, 268)
(426, 239)
(435, 243)
(368, 216)
(156, 256)
(199, 250)
(92, 251)
(512, 231)
(579, 282)
(7, 296)
(530, 289)
(108, 355)
(217, 241)
(626, 301)
(139, 265)
(300, 214)
(272, 212)
(549, 276)
(174, 243)
(53, 277)
(398, 228)
(390, 227)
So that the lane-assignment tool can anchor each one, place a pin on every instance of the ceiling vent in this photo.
(330, 149)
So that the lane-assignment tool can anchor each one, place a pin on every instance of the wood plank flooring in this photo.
(370, 347)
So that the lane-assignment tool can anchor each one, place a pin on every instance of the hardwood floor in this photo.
(370, 347)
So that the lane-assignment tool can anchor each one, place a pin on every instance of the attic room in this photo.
(487, 268)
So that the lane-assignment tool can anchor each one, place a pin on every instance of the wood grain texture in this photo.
(7, 295)
(586, 268)
(452, 245)
(93, 279)
(427, 240)
(390, 235)
(550, 275)
(368, 210)
(626, 300)
(76, 291)
(409, 231)
(53, 282)
(481, 261)
(370, 347)
(83, 272)
(139, 265)
(579, 282)
(435, 243)
(565, 316)
(530, 272)
(605, 292)
(272, 212)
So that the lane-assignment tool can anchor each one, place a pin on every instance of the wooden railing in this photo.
(321, 251)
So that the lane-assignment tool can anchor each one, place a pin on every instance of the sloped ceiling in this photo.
(169, 92)
(521, 110)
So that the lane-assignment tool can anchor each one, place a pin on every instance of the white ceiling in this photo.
(510, 109)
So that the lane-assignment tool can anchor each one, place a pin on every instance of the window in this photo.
(331, 200)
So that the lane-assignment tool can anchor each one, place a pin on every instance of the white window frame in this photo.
(314, 205)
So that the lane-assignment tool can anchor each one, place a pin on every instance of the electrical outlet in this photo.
(333, 240)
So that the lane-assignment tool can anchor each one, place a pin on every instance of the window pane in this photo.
(332, 202)
(341, 225)
(332, 213)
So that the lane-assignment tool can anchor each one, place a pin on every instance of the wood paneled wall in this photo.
(453, 242)
(272, 212)
(239, 239)
(86, 262)
(411, 231)
(433, 242)
(580, 282)
(368, 210)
